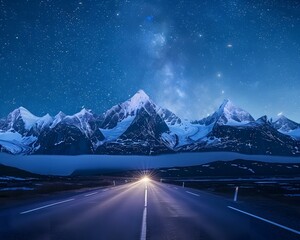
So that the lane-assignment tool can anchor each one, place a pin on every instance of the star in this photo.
(118, 47)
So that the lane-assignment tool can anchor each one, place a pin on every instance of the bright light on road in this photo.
(145, 179)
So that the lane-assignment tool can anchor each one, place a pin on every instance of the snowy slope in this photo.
(118, 119)
(283, 124)
(228, 114)
(115, 132)
(22, 114)
(22, 121)
(286, 126)
(294, 133)
(57, 119)
(14, 143)
(81, 120)
(186, 133)
(169, 117)
(44, 122)
(189, 132)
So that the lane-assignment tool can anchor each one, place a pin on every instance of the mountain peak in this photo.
(284, 124)
(262, 120)
(83, 112)
(283, 118)
(139, 97)
(23, 112)
(137, 101)
(129, 108)
(225, 103)
(229, 114)
(47, 115)
(21, 108)
(60, 115)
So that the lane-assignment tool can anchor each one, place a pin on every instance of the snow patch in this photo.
(114, 133)
(15, 143)
(10, 178)
(17, 189)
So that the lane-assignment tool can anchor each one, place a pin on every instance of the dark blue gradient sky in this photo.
(187, 55)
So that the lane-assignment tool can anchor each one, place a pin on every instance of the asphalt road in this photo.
(140, 211)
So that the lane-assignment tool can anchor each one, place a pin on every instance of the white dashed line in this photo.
(144, 223)
(90, 194)
(195, 194)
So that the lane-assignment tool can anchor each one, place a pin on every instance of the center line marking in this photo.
(49, 205)
(265, 220)
(144, 223)
(90, 194)
(195, 194)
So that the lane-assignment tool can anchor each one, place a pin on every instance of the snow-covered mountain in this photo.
(20, 129)
(228, 114)
(255, 137)
(134, 125)
(79, 120)
(71, 134)
(286, 126)
(196, 131)
(139, 126)
(24, 122)
(116, 120)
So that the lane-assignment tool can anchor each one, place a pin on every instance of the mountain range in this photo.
(139, 126)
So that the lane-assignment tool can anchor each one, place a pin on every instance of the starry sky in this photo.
(187, 55)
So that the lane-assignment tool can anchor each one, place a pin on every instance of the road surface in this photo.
(140, 211)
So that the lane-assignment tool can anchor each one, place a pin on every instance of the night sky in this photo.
(187, 55)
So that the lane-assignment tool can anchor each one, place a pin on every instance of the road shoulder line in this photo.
(46, 206)
(265, 220)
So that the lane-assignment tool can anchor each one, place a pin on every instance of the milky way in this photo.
(187, 55)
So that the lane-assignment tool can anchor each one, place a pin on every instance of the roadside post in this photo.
(236, 194)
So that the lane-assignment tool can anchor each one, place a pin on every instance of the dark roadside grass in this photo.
(284, 191)
(19, 187)
(15, 192)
